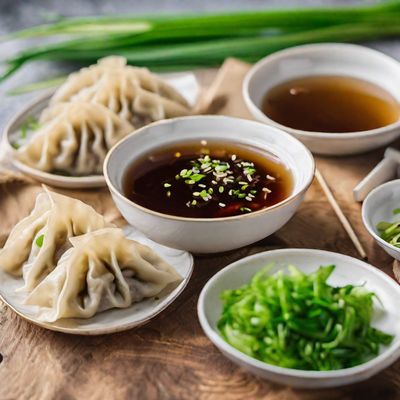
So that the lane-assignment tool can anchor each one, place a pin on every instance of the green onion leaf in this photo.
(39, 241)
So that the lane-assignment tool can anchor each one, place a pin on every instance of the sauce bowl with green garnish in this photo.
(381, 216)
(208, 184)
(303, 317)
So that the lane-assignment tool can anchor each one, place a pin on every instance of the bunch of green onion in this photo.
(300, 321)
(165, 42)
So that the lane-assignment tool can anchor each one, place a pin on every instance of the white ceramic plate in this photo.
(348, 271)
(378, 206)
(184, 83)
(110, 321)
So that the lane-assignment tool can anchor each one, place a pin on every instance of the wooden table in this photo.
(170, 358)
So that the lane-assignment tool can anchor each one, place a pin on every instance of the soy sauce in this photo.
(335, 104)
(207, 180)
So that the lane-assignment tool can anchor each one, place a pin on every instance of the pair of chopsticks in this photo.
(339, 213)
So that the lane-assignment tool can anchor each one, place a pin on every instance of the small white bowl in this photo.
(326, 59)
(209, 235)
(348, 271)
(185, 83)
(378, 206)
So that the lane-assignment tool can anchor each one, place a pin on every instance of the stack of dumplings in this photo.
(74, 138)
(74, 264)
(94, 109)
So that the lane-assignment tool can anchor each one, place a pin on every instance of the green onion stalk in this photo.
(165, 43)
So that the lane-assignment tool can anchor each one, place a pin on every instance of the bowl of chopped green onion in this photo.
(381, 216)
(303, 317)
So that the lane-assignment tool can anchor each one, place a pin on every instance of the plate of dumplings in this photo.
(62, 138)
(65, 268)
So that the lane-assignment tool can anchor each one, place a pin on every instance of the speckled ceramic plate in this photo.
(185, 83)
(110, 321)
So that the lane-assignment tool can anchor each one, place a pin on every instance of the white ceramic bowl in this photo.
(378, 206)
(326, 59)
(348, 271)
(209, 235)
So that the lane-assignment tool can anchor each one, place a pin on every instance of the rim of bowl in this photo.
(365, 215)
(384, 358)
(286, 53)
(17, 119)
(140, 131)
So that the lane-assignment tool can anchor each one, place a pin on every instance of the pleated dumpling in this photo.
(135, 94)
(73, 138)
(102, 270)
(37, 242)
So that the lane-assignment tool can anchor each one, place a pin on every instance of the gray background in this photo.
(18, 14)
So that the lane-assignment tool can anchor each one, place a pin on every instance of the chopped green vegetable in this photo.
(300, 321)
(39, 241)
(31, 124)
(390, 231)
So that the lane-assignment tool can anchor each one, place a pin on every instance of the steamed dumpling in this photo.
(135, 94)
(37, 242)
(74, 138)
(102, 270)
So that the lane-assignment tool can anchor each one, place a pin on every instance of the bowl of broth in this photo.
(208, 184)
(338, 99)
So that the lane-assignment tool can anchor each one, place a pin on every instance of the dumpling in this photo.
(74, 138)
(37, 242)
(135, 94)
(102, 270)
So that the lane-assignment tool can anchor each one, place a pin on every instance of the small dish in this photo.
(185, 83)
(326, 59)
(378, 206)
(348, 271)
(209, 235)
(113, 320)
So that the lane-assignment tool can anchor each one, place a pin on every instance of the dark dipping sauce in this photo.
(207, 180)
(335, 104)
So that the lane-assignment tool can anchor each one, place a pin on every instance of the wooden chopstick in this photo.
(339, 213)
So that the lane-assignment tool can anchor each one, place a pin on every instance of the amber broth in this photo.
(155, 182)
(335, 104)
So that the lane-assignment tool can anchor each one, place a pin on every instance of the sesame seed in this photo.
(167, 185)
(248, 198)
(266, 190)
(233, 158)
(271, 178)
(202, 185)
(222, 205)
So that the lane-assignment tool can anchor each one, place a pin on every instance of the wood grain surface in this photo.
(170, 358)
